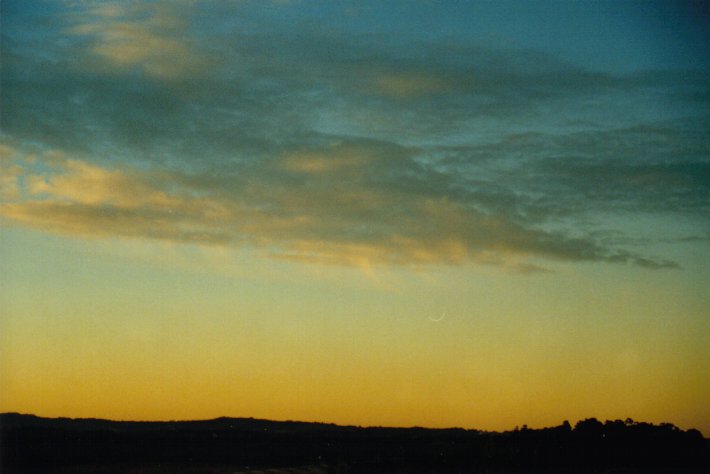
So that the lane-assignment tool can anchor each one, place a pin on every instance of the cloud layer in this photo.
(135, 120)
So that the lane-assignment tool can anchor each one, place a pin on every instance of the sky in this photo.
(475, 214)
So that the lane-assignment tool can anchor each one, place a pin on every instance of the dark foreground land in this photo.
(239, 445)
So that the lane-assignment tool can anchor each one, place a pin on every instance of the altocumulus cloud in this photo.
(137, 120)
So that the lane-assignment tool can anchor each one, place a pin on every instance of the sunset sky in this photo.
(476, 214)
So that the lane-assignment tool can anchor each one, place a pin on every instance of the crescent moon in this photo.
(439, 319)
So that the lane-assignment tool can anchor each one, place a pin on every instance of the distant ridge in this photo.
(34, 444)
(222, 422)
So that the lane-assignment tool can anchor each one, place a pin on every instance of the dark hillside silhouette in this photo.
(34, 444)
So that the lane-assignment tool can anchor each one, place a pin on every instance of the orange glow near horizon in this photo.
(408, 353)
(440, 214)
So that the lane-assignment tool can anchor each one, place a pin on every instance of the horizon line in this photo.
(523, 426)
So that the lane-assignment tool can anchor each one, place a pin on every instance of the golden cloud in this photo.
(410, 85)
(151, 37)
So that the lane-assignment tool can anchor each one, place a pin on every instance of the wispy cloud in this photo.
(152, 37)
(404, 85)
(10, 174)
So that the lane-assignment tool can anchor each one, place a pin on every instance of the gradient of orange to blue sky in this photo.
(477, 214)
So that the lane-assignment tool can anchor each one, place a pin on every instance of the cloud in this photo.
(148, 37)
(10, 174)
(337, 158)
(653, 169)
(267, 89)
(70, 196)
(402, 85)
(337, 147)
(358, 217)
